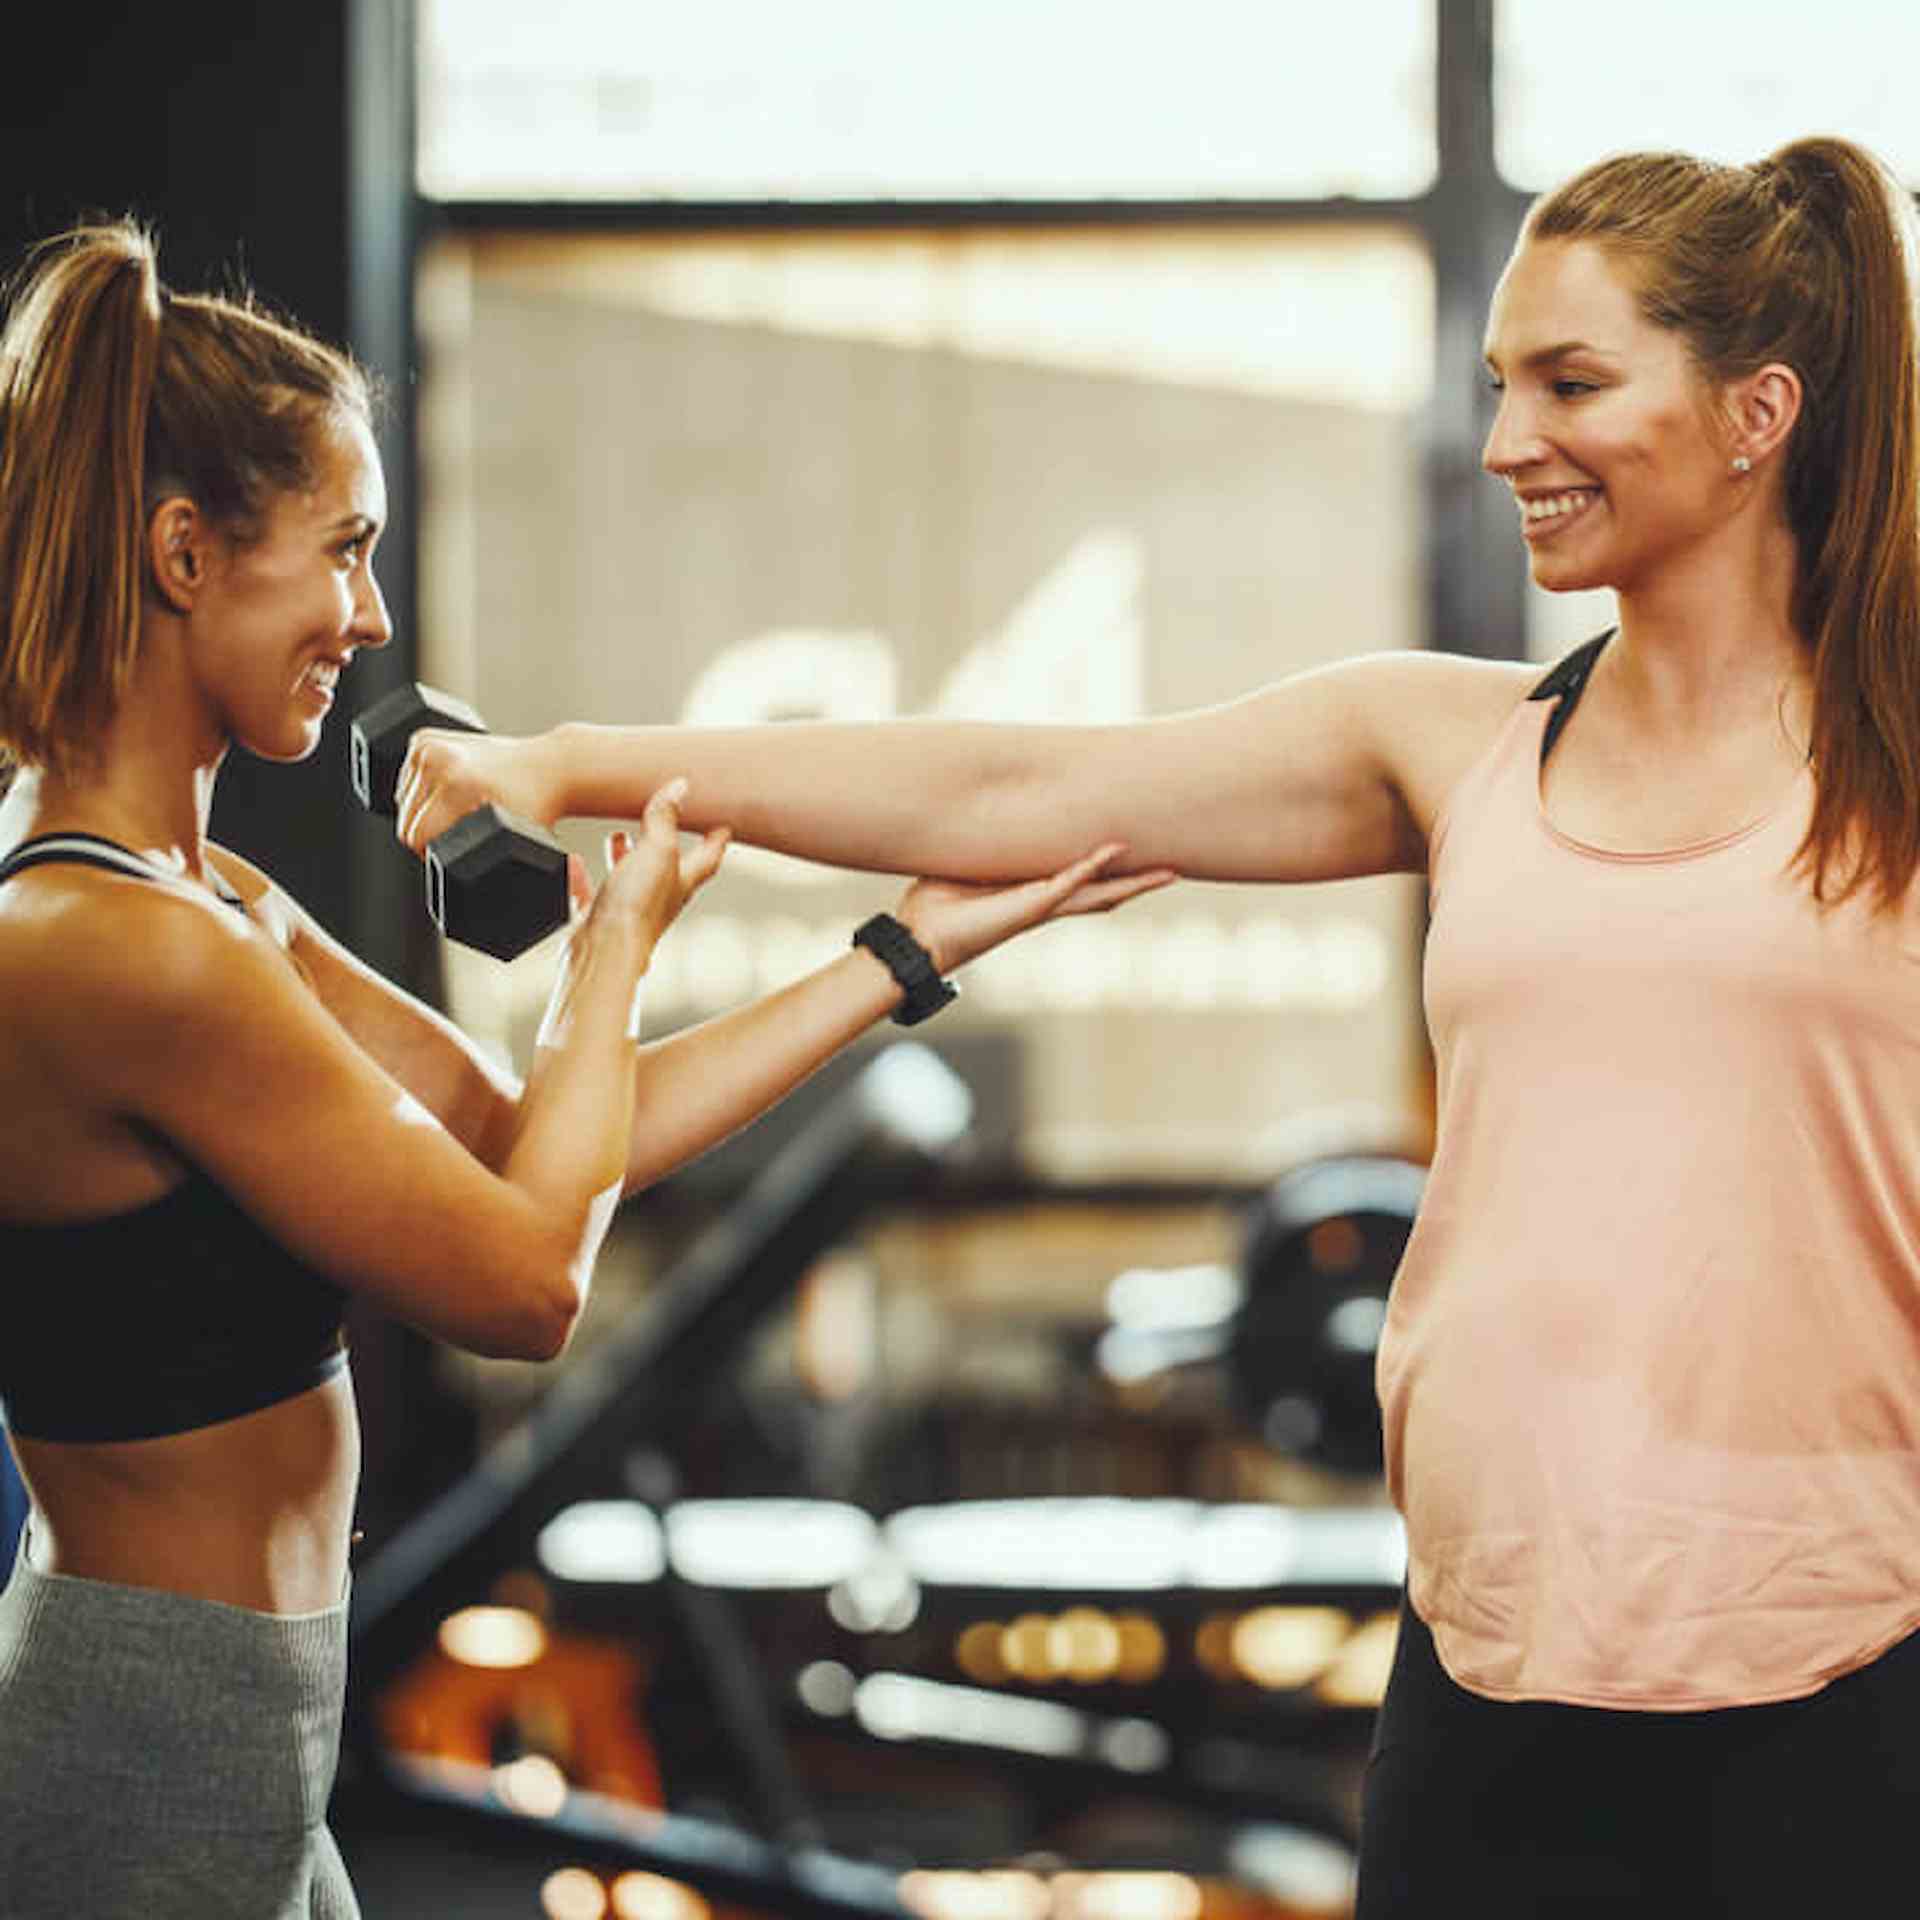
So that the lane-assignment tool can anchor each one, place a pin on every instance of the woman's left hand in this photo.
(957, 923)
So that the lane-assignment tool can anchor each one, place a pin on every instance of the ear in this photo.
(1762, 410)
(179, 546)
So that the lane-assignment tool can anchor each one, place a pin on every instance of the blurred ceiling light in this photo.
(610, 1540)
(1110, 1544)
(493, 1637)
(898, 1706)
(768, 1544)
(1090, 1545)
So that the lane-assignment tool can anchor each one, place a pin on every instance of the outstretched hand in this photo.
(956, 922)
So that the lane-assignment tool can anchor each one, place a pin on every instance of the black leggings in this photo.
(1493, 1810)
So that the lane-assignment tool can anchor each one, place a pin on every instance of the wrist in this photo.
(550, 759)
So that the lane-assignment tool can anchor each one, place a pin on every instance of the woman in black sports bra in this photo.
(215, 1123)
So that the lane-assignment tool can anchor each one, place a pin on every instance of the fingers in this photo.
(579, 886)
(661, 820)
(1105, 895)
(699, 866)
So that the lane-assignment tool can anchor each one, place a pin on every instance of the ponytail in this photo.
(77, 365)
(1853, 500)
(1807, 258)
(113, 394)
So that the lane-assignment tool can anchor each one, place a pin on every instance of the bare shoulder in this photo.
(96, 951)
(1432, 715)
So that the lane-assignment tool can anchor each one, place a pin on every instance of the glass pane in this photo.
(872, 100)
(1731, 79)
(1067, 476)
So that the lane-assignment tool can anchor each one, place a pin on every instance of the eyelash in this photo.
(1563, 389)
(355, 548)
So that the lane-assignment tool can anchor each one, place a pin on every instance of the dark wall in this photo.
(267, 141)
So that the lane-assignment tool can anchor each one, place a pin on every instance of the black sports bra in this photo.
(175, 1315)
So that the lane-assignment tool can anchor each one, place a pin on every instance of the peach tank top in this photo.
(1651, 1370)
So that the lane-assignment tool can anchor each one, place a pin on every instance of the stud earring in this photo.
(1741, 464)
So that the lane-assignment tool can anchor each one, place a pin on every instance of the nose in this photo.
(1513, 442)
(372, 626)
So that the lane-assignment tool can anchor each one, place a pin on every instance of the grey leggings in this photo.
(165, 1757)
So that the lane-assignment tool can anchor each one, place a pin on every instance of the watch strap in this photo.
(911, 966)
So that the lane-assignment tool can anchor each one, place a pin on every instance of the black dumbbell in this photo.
(494, 881)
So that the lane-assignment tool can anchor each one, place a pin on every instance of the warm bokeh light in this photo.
(652, 1896)
(1281, 1647)
(573, 1894)
(1003, 1895)
(1026, 1648)
(1143, 1649)
(1126, 1896)
(493, 1637)
(532, 1785)
(1083, 1645)
(976, 1652)
(1358, 1675)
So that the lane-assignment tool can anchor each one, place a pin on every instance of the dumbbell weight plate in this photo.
(497, 882)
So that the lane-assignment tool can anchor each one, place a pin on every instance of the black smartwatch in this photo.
(910, 964)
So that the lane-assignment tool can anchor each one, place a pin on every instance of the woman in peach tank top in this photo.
(1651, 1375)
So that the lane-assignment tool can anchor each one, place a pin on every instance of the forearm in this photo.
(695, 1088)
(963, 800)
(575, 1114)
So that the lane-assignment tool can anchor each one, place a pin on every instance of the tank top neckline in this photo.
(1653, 856)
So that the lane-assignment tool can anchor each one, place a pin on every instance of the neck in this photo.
(1714, 649)
(149, 785)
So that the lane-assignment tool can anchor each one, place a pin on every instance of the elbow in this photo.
(538, 1319)
(549, 1328)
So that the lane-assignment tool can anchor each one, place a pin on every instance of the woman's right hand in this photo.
(650, 877)
(448, 775)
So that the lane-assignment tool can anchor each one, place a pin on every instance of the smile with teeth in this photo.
(1554, 510)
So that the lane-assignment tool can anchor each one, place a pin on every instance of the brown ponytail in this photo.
(77, 361)
(1808, 258)
(113, 393)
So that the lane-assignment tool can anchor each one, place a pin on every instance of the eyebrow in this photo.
(1545, 356)
(365, 521)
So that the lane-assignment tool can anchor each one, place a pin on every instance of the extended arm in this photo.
(1327, 775)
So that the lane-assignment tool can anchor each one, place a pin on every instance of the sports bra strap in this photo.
(1566, 683)
(91, 850)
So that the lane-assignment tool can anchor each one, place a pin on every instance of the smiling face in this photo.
(279, 617)
(1606, 432)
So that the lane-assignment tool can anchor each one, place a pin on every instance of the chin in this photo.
(284, 749)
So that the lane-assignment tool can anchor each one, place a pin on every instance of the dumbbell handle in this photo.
(494, 881)
(377, 740)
